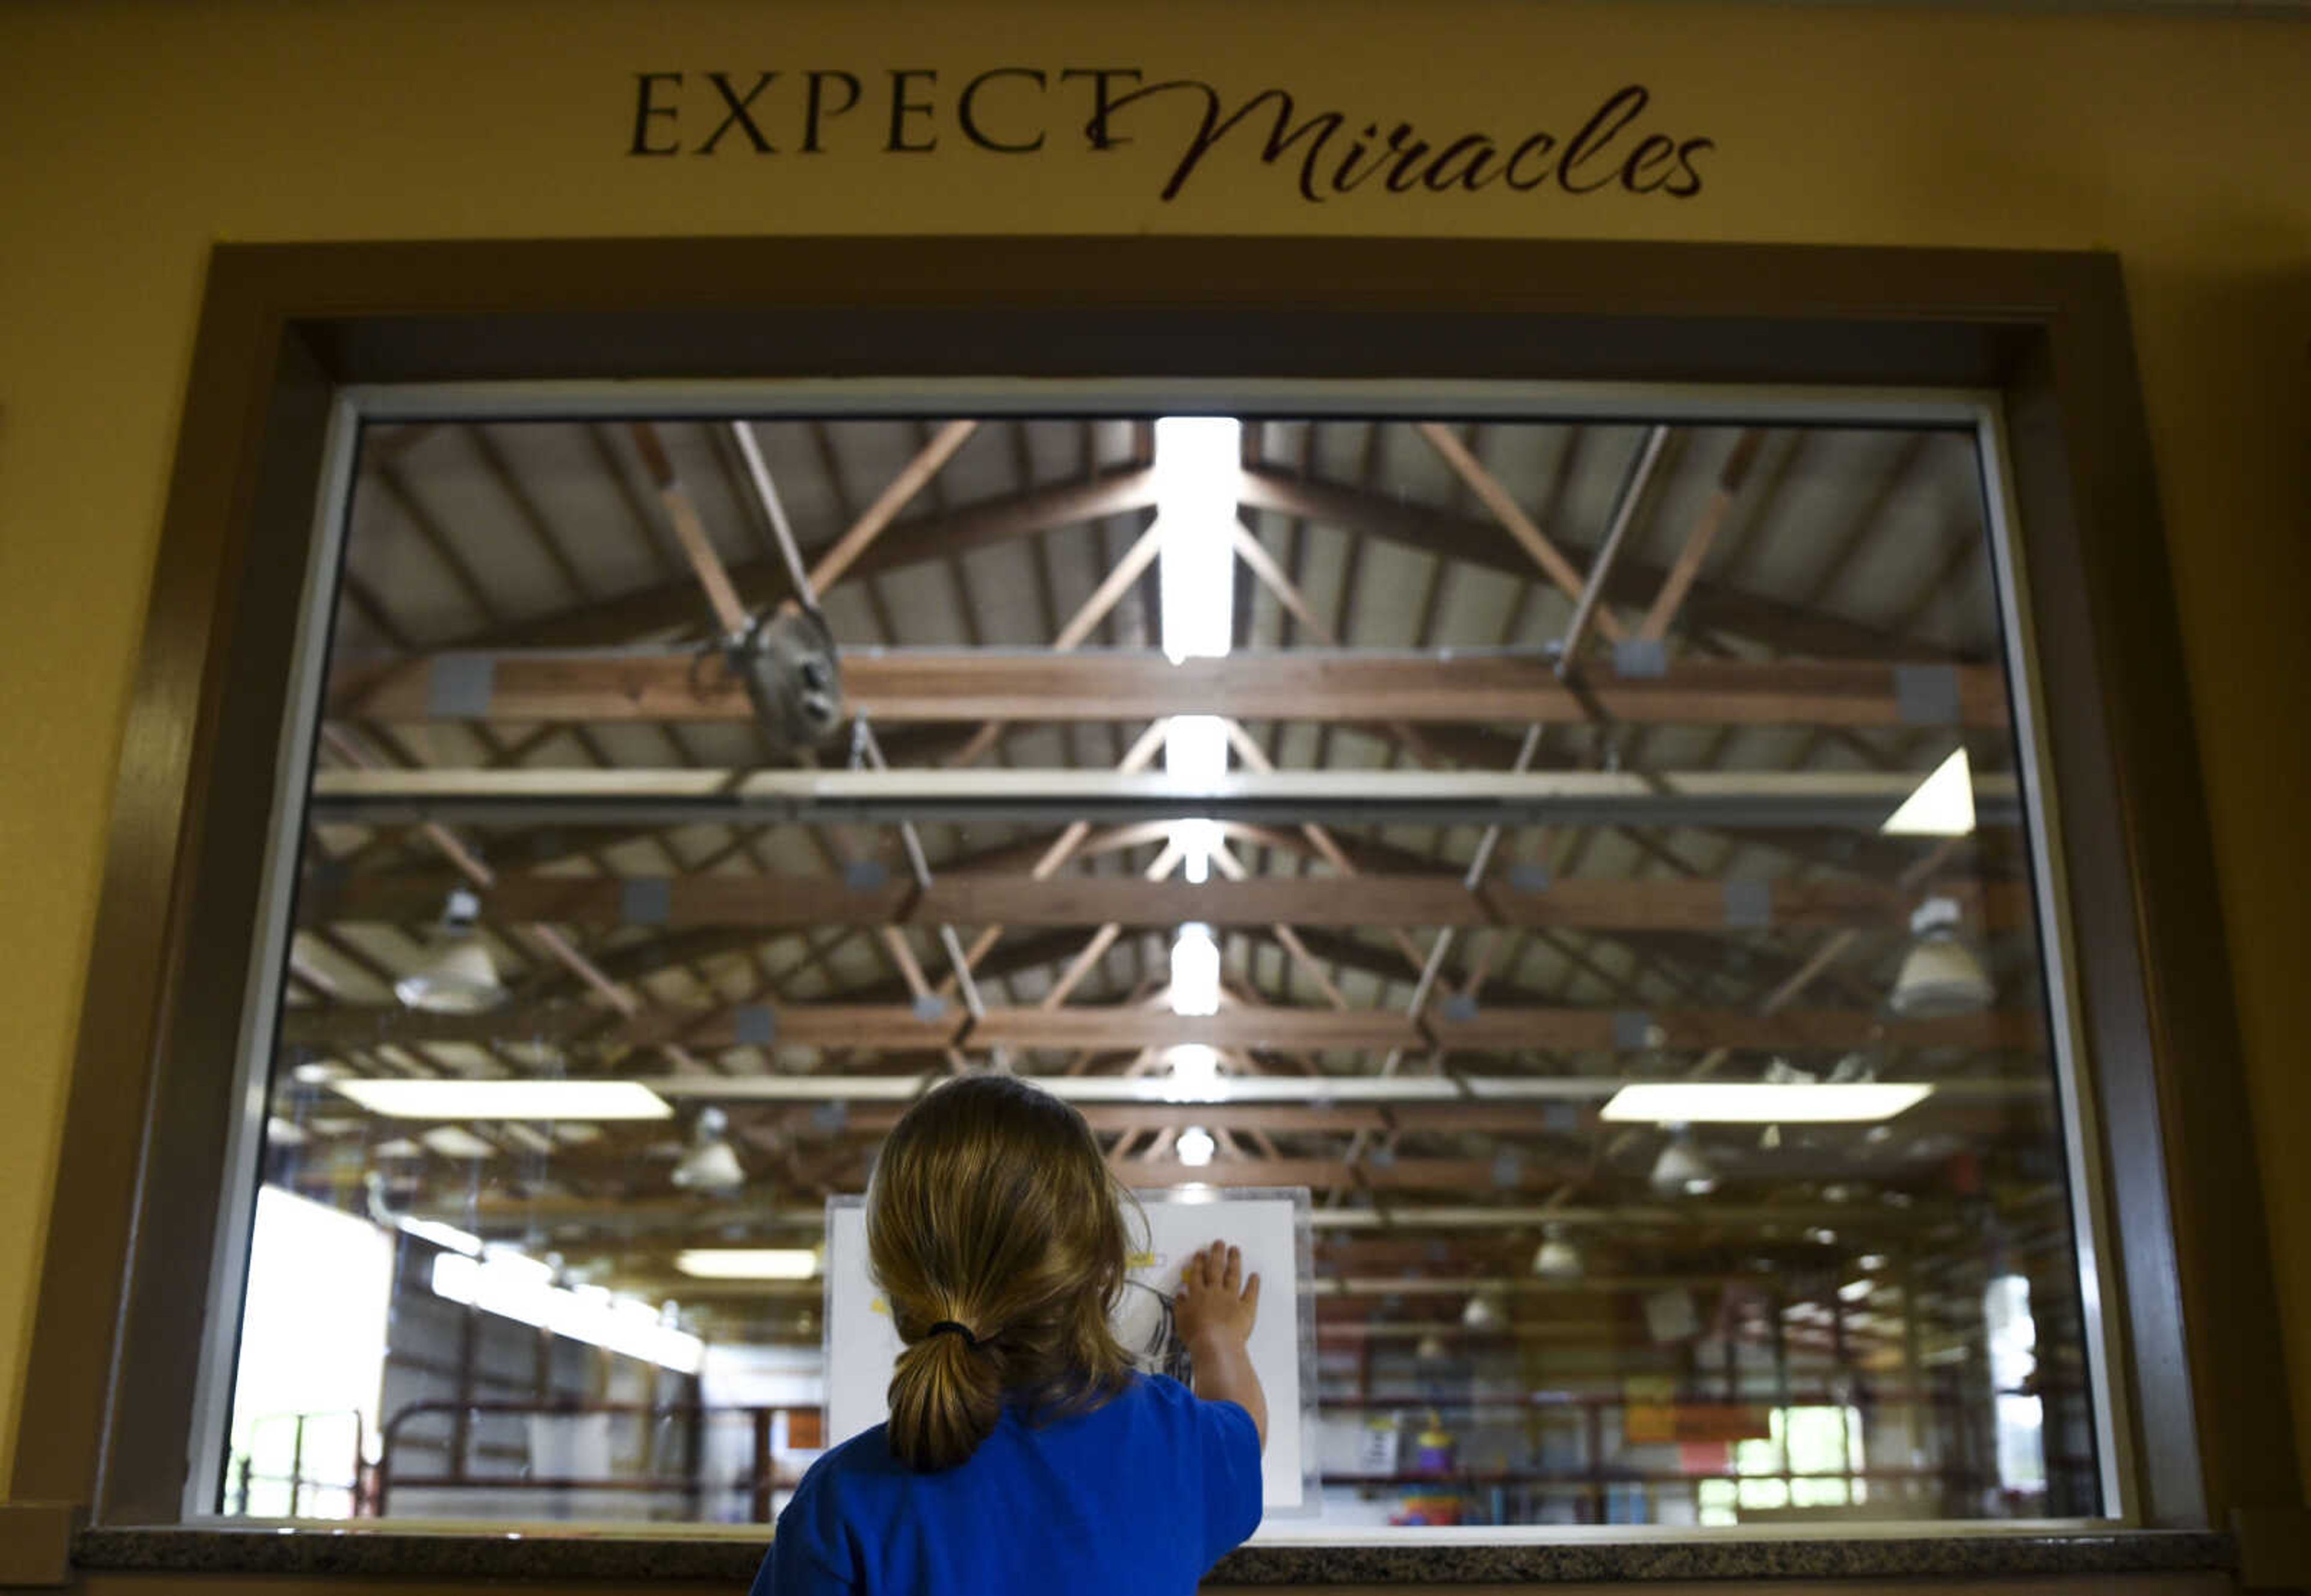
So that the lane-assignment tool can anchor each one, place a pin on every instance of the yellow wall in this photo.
(136, 136)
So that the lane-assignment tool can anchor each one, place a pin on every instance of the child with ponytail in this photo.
(1024, 1453)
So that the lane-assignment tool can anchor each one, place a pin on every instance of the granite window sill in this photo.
(545, 1554)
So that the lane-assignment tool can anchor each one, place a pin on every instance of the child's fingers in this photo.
(1251, 1295)
(1232, 1278)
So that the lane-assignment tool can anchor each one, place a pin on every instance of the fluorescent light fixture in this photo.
(748, 1263)
(1197, 461)
(1195, 970)
(1941, 806)
(413, 1099)
(448, 1237)
(1761, 1103)
(1195, 1147)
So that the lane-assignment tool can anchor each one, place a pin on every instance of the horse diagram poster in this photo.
(1270, 1224)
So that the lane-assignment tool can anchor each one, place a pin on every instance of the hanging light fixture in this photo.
(1940, 975)
(1556, 1259)
(1195, 1147)
(1487, 1312)
(1681, 1171)
(458, 977)
(712, 1164)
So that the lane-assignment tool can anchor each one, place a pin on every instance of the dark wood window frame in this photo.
(108, 1407)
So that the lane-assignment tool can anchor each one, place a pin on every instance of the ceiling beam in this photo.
(988, 684)
(1402, 1174)
(896, 1027)
(495, 1212)
(676, 606)
(800, 901)
(1707, 605)
(1858, 801)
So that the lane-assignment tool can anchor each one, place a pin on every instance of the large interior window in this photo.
(1594, 855)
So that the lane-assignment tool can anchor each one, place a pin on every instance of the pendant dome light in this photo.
(712, 1164)
(459, 976)
(1556, 1259)
(1681, 1171)
(1940, 975)
(1486, 1312)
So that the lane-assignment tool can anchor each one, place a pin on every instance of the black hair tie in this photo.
(945, 1326)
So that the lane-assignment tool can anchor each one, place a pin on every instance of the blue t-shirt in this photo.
(1138, 1498)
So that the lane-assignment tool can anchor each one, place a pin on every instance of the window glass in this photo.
(1631, 812)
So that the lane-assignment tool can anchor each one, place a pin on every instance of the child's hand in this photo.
(1214, 1298)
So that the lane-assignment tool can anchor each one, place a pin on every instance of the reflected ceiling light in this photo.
(1195, 970)
(748, 1263)
(410, 1099)
(1195, 1147)
(1940, 975)
(1556, 1259)
(1763, 1102)
(458, 977)
(1681, 1171)
(1942, 805)
(1431, 1348)
(712, 1164)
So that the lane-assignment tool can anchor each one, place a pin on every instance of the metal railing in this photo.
(757, 1485)
(245, 1477)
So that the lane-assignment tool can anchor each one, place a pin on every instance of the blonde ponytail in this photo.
(996, 1232)
(945, 1398)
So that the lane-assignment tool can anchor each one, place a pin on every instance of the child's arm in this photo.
(1214, 1312)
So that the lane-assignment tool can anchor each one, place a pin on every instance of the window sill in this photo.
(1437, 1558)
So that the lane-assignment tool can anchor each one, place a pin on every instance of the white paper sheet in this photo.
(863, 1345)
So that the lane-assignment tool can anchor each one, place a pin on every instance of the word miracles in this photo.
(1014, 111)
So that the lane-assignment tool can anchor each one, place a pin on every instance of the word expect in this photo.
(1011, 110)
